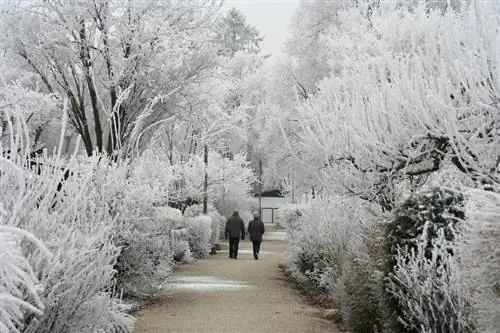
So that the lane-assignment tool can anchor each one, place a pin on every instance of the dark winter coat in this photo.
(256, 229)
(235, 227)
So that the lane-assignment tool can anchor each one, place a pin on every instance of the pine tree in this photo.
(235, 34)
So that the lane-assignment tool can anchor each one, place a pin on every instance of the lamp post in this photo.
(205, 184)
(260, 187)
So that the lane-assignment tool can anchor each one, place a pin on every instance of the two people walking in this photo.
(235, 227)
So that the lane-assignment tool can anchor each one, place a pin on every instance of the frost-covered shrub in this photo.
(179, 245)
(320, 241)
(19, 286)
(58, 208)
(218, 226)
(142, 230)
(218, 221)
(479, 254)
(200, 233)
(429, 288)
(144, 262)
(101, 314)
(290, 215)
(360, 293)
(442, 208)
(411, 233)
(170, 218)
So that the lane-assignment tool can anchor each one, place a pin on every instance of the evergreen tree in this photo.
(235, 34)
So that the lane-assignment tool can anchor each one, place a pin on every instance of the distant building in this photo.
(271, 202)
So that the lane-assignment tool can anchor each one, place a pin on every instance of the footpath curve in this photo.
(221, 295)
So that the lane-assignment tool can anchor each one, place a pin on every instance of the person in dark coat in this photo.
(234, 226)
(256, 230)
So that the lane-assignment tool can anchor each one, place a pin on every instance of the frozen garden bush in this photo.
(320, 241)
(179, 244)
(178, 234)
(290, 215)
(144, 262)
(142, 230)
(218, 227)
(421, 238)
(168, 217)
(479, 253)
(200, 234)
(19, 286)
(429, 287)
(97, 219)
(360, 294)
(218, 221)
(57, 207)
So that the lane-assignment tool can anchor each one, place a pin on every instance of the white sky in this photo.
(271, 17)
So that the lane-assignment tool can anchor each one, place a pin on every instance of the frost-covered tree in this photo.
(215, 109)
(426, 101)
(306, 44)
(19, 94)
(234, 34)
(229, 181)
(410, 99)
(118, 63)
(74, 285)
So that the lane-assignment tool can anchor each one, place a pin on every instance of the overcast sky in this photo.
(271, 17)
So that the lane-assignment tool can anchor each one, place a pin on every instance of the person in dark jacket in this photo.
(256, 230)
(234, 226)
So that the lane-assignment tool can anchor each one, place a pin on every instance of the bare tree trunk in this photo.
(87, 65)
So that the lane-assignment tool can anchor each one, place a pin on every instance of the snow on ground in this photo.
(204, 283)
(275, 235)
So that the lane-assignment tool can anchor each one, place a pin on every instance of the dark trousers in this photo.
(256, 247)
(233, 247)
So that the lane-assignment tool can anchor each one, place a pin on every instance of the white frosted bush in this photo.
(78, 232)
(179, 244)
(290, 215)
(19, 286)
(103, 314)
(360, 291)
(200, 233)
(169, 217)
(144, 263)
(336, 245)
(218, 221)
(55, 201)
(479, 252)
(321, 239)
(142, 230)
(431, 291)
(218, 226)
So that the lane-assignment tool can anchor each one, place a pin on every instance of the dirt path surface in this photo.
(221, 295)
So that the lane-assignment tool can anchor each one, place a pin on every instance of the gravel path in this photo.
(221, 295)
